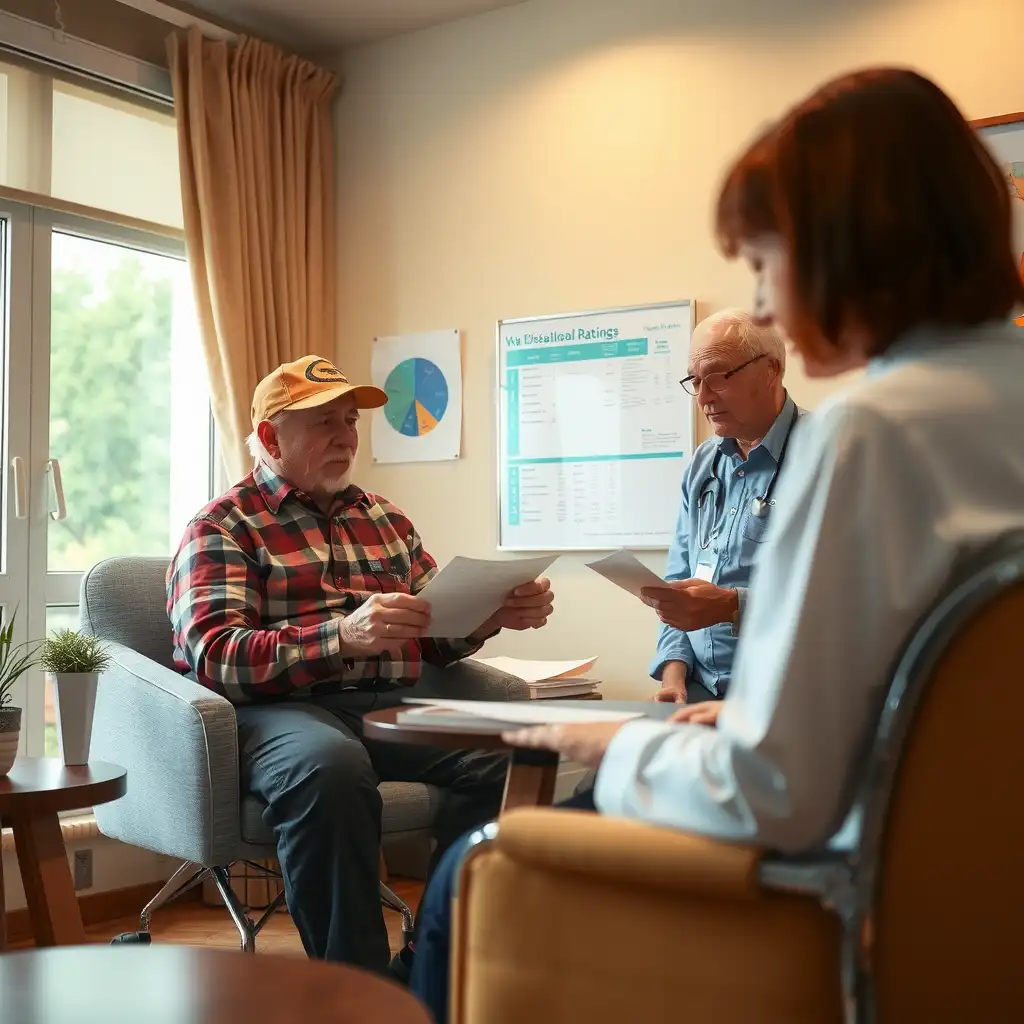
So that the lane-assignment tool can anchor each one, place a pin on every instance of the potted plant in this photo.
(73, 662)
(15, 661)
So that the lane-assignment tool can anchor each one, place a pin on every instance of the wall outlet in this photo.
(83, 869)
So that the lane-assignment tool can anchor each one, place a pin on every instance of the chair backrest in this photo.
(124, 601)
(939, 868)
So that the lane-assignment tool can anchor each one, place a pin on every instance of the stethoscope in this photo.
(759, 506)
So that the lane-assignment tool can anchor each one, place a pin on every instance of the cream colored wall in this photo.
(562, 155)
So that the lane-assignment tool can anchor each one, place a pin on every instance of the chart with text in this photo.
(594, 428)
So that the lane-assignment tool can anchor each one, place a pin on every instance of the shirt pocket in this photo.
(754, 528)
(386, 575)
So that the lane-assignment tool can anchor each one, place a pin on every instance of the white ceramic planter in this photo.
(10, 731)
(75, 697)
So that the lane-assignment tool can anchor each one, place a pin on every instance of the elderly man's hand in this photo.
(384, 621)
(585, 743)
(691, 604)
(528, 607)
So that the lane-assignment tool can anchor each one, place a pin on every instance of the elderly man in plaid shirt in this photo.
(293, 595)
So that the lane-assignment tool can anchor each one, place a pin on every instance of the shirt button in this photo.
(732, 511)
(740, 472)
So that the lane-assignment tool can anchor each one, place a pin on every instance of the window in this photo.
(105, 423)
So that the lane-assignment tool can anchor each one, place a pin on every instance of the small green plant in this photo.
(67, 651)
(15, 660)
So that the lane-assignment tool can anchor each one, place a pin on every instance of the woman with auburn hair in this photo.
(878, 230)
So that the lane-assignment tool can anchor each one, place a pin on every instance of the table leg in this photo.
(49, 887)
(3, 905)
(531, 779)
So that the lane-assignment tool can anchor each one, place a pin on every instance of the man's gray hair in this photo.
(739, 329)
(255, 445)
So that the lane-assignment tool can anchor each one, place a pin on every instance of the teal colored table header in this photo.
(576, 353)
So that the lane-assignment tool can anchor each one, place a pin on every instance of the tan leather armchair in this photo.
(917, 915)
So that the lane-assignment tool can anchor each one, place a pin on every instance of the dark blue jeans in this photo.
(430, 965)
(308, 761)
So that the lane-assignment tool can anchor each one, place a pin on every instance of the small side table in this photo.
(31, 797)
(531, 773)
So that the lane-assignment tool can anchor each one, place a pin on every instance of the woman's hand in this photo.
(585, 743)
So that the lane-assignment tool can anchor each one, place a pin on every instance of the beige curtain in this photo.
(256, 142)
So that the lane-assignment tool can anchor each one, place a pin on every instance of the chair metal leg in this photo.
(185, 878)
(246, 928)
(389, 899)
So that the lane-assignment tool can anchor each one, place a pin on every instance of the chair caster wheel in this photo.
(132, 939)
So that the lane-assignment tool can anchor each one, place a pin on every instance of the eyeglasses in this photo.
(715, 381)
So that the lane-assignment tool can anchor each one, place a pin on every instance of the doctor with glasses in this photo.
(728, 492)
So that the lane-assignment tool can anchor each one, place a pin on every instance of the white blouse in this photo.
(888, 488)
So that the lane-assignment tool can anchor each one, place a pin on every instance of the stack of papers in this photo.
(549, 679)
(487, 715)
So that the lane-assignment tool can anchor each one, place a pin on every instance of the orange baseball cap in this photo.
(307, 383)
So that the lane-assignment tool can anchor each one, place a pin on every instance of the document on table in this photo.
(625, 570)
(539, 671)
(515, 712)
(468, 591)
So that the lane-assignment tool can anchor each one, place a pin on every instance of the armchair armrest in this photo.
(629, 853)
(469, 680)
(179, 742)
(571, 916)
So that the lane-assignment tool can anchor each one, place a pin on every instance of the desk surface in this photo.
(384, 725)
(182, 985)
(42, 785)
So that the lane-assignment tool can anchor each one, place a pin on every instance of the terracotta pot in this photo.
(10, 732)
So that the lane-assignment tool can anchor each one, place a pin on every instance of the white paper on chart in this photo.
(523, 712)
(539, 671)
(422, 375)
(468, 591)
(625, 570)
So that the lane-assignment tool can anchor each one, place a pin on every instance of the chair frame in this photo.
(189, 875)
(846, 879)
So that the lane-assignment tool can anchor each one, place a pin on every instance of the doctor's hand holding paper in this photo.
(692, 604)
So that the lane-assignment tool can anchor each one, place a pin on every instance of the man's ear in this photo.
(266, 431)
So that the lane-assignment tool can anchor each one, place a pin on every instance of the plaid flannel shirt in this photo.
(262, 580)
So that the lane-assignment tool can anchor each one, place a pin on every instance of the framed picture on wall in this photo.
(1004, 136)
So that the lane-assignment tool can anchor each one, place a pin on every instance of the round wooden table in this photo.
(532, 774)
(182, 985)
(31, 796)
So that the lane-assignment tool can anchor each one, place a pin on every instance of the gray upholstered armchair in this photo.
(179, 742)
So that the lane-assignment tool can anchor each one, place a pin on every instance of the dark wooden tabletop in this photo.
(384, 725)
(182, 985)
(44, 785)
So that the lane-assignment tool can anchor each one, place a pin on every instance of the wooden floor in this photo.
(195, 924)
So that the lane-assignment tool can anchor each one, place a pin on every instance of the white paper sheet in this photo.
(539, 671)
(523, 713)
(468, 591)
(625, 570)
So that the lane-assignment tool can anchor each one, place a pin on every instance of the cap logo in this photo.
(323, 372)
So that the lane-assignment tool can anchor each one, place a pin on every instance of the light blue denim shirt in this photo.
(729, 540)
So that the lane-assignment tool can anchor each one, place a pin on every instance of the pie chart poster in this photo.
(422, 375)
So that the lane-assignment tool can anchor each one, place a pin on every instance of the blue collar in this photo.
(773, 441)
